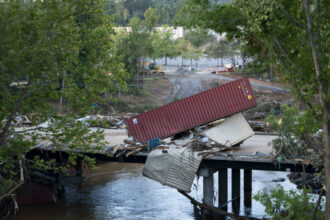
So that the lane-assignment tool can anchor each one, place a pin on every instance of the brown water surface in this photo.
(119, 191)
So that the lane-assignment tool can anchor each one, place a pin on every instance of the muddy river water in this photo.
(119, 191)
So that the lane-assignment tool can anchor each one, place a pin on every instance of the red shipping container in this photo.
(193, 111)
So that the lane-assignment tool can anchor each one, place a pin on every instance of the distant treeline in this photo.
(124, 10)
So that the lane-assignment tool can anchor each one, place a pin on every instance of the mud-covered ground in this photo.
(180, 83)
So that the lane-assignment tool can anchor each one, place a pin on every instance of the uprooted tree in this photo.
(291, 35)
(52, 53)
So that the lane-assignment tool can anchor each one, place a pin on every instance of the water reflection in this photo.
(119, 191)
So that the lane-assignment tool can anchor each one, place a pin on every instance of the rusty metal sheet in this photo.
(193, 111)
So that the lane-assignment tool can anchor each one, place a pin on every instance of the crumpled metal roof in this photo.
(174, 167)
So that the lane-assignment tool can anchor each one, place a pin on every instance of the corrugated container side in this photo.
(176, 168)
(192, 111)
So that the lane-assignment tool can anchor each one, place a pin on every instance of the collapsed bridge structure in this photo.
(177, 166)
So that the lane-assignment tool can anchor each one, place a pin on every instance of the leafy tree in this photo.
(124, 10)
(151, 18)
(48, 50)
(197, 37)
(137, 8)
(289, 205)
(292, 141)
(182, 49)
(222, 49)
(164, 16)
(192, 53)
(163, 44)
(290, 35)
(134, 44)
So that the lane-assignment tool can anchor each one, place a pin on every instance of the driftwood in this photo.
(134, 151)
(121, 149)
(216, 210)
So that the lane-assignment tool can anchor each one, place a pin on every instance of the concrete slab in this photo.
(257, 143)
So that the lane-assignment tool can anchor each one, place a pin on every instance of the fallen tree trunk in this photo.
(216, 210)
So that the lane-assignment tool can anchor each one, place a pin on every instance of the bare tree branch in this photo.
(311, 40)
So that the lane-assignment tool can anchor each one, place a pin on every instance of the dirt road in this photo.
(190, 84)
(187, 85)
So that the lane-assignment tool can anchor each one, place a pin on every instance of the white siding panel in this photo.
(231, 131)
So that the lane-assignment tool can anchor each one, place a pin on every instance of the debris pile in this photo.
(179, 135)
(19, 121)
(177, 165)
(308, 180)
(214, 124)
(219, 136)
(129, 148)
(101, 121)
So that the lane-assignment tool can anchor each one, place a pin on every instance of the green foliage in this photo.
(280, 204)
(222, 49)
(6, 185)
(51, 51)
(274, 33)
(163, 44)
(133, 46)
(151, 17)
(257, 69)
(186, 50)
(141, 41)
(194, 39)
(220, 17)
(292, 127)
(292, 39)
(70, 134)
(198, 37)
(124, 10)
(99, 122)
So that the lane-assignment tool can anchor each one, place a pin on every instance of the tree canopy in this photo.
(51, 51)
(124, 10)
(293, 37)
